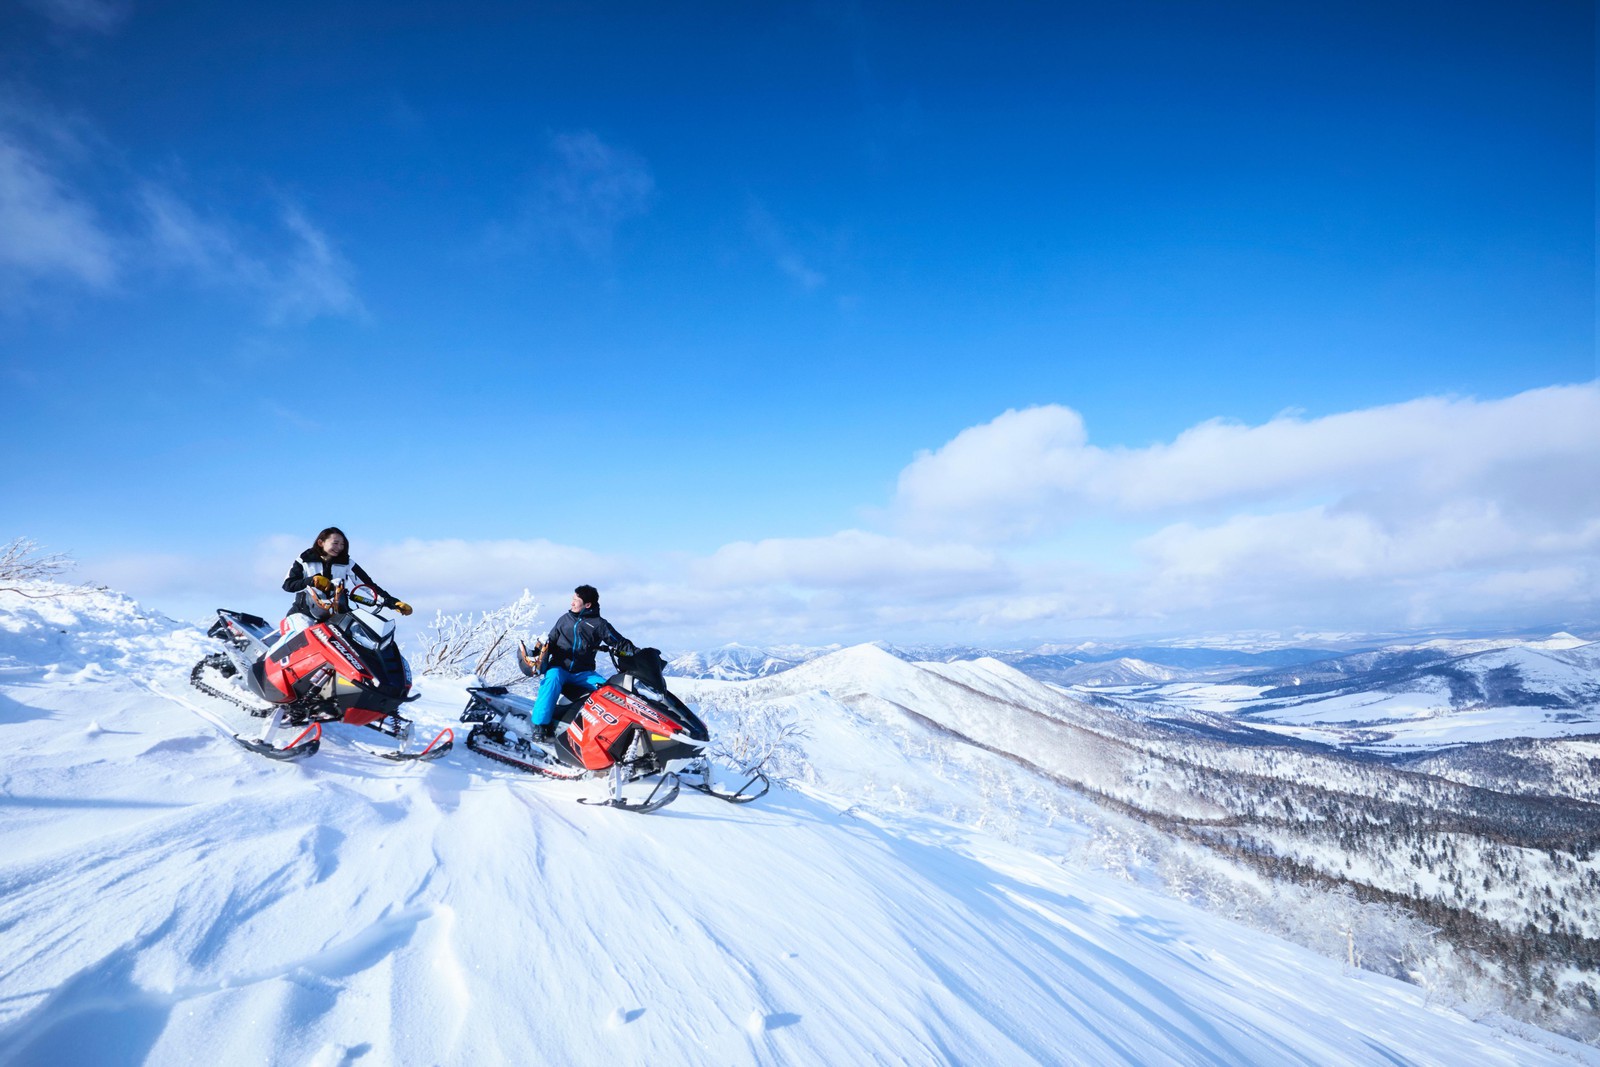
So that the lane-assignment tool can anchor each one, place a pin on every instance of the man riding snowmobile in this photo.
(567, 655)
(627, 726)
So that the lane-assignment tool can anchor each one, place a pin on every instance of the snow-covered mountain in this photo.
(1405, 699)
(738, 662)
(173, 899)
(1065, 665)
(1125, 670)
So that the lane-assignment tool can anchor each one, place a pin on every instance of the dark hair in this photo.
(316, 544)
(589, 595)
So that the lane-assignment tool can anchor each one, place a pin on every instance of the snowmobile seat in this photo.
(575, 693)
(489, 690)
(254, 622)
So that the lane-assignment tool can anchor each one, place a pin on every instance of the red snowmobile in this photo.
(345, 667)
(631, 727)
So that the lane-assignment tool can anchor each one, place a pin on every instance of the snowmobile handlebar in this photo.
(355, 597)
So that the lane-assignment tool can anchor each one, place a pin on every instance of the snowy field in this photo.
(169, 898)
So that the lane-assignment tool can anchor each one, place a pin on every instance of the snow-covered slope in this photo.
(172, 899)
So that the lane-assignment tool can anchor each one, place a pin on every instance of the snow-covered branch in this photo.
(22, 564)
(754, 736)
(483, 644)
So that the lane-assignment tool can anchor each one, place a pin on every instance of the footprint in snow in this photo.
(619, 1018)
(760, 1022)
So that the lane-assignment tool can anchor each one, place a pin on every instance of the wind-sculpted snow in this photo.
(169, 898)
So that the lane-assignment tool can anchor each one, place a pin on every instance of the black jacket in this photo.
(575, 638)
(310, 563)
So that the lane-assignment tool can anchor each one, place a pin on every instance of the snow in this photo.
(172, 899)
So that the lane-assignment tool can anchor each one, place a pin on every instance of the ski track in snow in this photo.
(168, 898)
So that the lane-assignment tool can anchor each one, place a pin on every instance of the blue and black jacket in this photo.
(575, 638)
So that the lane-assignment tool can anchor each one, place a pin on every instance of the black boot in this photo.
(543, 733)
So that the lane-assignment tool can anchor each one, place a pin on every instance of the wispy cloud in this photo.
(72, 214)
(775, 242)
(296, 271)
(94, 16)
(583, 193)
(49, 231)
(312, 279)
(887, 117)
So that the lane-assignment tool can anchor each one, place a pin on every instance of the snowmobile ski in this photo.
(442, 743)
(654, 802)
(737, 796)
(305, 744)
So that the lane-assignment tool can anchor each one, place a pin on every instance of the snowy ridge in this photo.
(172, 899)
(1124, 670)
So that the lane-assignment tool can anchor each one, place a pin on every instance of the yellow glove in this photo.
(322, 583)
(402, 607)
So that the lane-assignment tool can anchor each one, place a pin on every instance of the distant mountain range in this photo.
(1078, 665)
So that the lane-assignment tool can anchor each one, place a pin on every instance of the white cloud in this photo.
(851, 561)
(48, 230)
(1427, 511)
(1486, 512)
(453, 575)
(1034, 471)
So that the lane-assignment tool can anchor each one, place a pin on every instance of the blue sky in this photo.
(652, 296)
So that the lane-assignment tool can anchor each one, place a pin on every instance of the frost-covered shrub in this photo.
(483, 644)
(752, 735)
(21, 563)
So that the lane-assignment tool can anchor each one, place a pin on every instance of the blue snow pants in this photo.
(544, 706)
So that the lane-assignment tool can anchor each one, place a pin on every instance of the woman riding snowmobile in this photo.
(321, 567)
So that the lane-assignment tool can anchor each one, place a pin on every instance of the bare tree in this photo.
(482, 644)
(21, 563)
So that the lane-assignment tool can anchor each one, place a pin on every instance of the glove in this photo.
(402, 607)
(627, 649)
(322, 583)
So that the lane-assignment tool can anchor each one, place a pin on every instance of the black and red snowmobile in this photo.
(343, 667)
(631, 727)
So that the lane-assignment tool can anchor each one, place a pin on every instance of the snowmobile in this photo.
(344, 667)
(631, 727)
